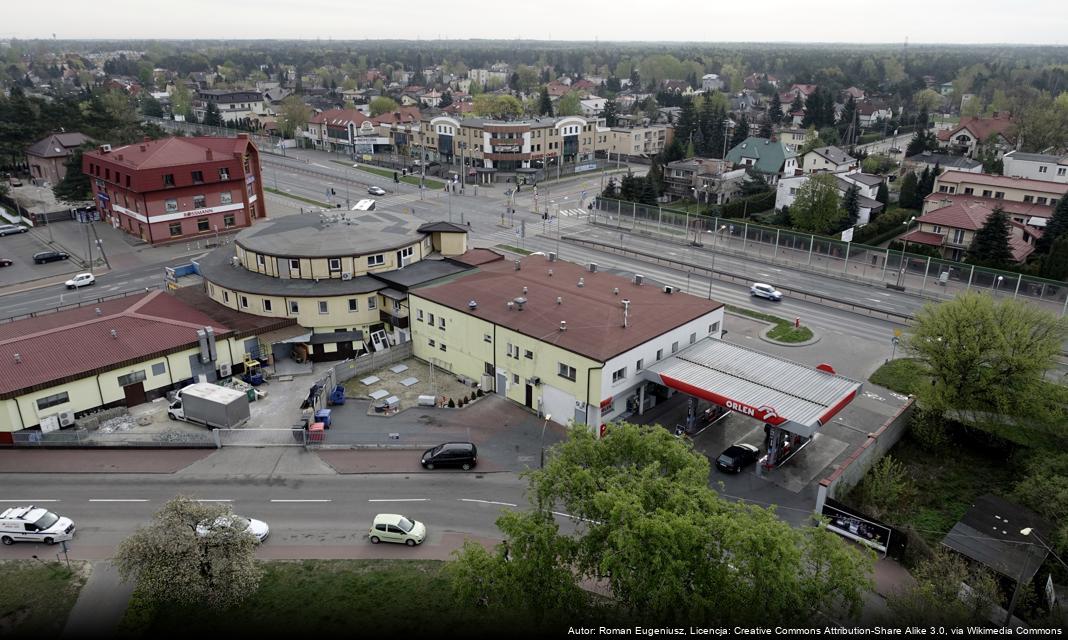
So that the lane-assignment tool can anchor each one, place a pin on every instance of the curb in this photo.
(771, 325)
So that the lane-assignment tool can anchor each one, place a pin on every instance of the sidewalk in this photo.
(101, 604)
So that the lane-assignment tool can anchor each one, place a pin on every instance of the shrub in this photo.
(480, 393)
(929, 429)
(452, 403)
(886, 486)
(472, 398)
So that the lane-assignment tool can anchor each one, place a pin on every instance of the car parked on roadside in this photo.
(451, 454)
(762, 290)
(14, 182)
(9, 229)
(258, 528)
(737, 457)
(6, 262)
(376, 191)
(81, 280)
(49, 256)
(391, 527)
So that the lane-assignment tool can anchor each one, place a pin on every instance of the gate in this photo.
(260, 437)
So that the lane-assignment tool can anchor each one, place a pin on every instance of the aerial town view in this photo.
(550, 320)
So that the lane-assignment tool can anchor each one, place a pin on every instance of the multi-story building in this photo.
(177, 188)
(705, 180)
(949, 224)
(570, 342)
(644, 141)
(985, 185)
(942, 162)
(48, 157)
(867, 186)
(793, 138)
(772, 158)
(711, 82)
(1036, 166)
(343, 276)
(354, 131)
(232, 105)
(998, 132)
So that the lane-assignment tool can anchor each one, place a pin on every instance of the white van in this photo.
(364, 205)
(34, 524)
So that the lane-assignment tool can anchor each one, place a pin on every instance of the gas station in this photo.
(792, 400)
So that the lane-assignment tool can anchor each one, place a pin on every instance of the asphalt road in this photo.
(309, 516)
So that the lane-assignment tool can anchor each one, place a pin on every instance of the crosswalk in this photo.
(573, 213)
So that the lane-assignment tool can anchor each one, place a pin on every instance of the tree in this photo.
(741, 131)
(988, 357)
(649, 191)
(212, 117)
(545, 103)
(569, 105)
(922, 140)
(775, 109)
(925, 185)
(610, 113)
(851, 204)
(847, 127)
(172, 564)
(666, 544)
(816, 206)
(990, 246)
(383, 104)
(927, 100)
(150, 106)
(1045, 489)
(674, 151)
(796, 105)
(1055, 228)
(936, 597)
(293, 115)
(907, 197)
(75, 185)
(488, 105)
(687, 124)
(766, 130)
(446, 99)
(883, 195)
(610, 190)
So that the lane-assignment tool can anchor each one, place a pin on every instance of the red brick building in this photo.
(176, 189)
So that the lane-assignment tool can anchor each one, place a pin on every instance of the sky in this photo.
(920, 21)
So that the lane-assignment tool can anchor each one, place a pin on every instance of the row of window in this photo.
(133, 377)
(203, 224)
(567, 372)
(1061, 171)
(196, 176)
(430, 319)
(441, 346)
(294, 305)
(199, 202)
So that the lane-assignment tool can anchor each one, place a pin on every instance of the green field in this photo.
(36, 597)
(508, 247)
(783, 331)
(318, 203)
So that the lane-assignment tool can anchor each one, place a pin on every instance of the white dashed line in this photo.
(567, 515)
(503, 504)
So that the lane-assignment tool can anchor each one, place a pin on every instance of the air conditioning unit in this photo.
(225, 370)
(66, 419)
(346, 275)
(669, 289)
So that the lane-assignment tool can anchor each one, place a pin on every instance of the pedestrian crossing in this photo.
(573, 213)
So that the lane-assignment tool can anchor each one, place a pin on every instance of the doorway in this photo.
(530, 396)
(135, 394)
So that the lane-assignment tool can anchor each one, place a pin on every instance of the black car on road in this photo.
(49, 256)
(737, 457)
(451, 454)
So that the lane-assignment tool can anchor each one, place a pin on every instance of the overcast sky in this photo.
(921, 21)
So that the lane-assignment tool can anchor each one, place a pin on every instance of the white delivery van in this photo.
(34, 524)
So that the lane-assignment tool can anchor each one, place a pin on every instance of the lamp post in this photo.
(904, 246)
(997, 285)
(544, 424)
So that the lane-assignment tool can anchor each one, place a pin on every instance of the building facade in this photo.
(985, 185)
(48, 157)
(828, 159)
(645, 141)
(705, 180)
(177, 189)
(232, 105)
(1036, 166)
(772, 158)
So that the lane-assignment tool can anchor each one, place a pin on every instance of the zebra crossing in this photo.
(573, 213)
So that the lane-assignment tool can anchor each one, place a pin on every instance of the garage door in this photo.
(558, 403)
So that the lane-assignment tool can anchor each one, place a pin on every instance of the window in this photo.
(487, 368)
(168, 179)
(659, 354)
(198, 177)
(294, 265)
(693, 337)
(203, 224)
(430, 342)
(244, 302)
(942, 189)
(713, 328)
(987, 193)
(1029, 198)
(132, 378)
(261, 261)
(487, 338)
(566, 371)
(619, 375)
(937, 229)
(335, 264)
(515, 378)
(171, 206)
(958, 236)
(999, 194)
(968, 191)
(376, 261)
(430, 319)
(294, 307)
(199, 202)
(675, 347)
(226, 296)
(1042, 169)
(52, 400)
(228, 220)
(175, 229)
(1042, 200)
(354, 305)
(226, 197)
(324, 307)
(510, 350)
(159, 368)
(442, 346)
(1061, 171)
(224, 174)
(441, 323)
(528, 354)
(267, 305)
(419, 315)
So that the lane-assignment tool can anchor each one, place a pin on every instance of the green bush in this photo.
(452, 403)
(748, 206)
(887, 225)
(929, 429)
(886, 487)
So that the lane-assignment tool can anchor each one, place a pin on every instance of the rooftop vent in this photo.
(550, 273)
(563, 325)
(552, 256)
(559, 300)
(519, 302)
(668, 289)
(517, 263)
(98, 311)
(143, 148)
(626, 312)
(105, 148)
(592, 267)
(638, 278)
(114, 333)
(510, 305)
(18, 358)
(581, 282)
(615, 291)
(524, 291)
(471, 304)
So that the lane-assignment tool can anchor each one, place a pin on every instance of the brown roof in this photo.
(987, 179)
(924, 237)
(1010, 207)
(339, 117)
(56, 145)
(476, 257)
(593, 313)
(169, 152)
(958, 215)
(983, 128)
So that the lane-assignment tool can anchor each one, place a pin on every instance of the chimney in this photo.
(472, 304)
(207, 154)
(563, 325)
(119, 156)
(626, 311)
(143, 148)
(517, 264)
(146, 139)
(638, 278)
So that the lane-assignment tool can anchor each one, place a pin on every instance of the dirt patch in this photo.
(439, 383)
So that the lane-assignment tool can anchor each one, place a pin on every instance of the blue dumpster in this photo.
(337, 396)
(323, 415)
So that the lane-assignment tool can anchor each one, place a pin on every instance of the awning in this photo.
(300, 339)
(330, 337)
(393, 294)
(793, 396)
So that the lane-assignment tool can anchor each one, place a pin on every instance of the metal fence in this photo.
(931, 277)
(369, 362)
(127, 439)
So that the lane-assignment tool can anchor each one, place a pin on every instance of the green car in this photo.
(390, 527)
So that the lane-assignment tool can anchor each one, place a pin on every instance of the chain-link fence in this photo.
(89, 439)
(932, 277)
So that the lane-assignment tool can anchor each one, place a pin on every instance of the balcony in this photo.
(397, 319)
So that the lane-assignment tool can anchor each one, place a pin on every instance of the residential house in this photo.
(711, 82)
(754, 81)
(998, 131)
(557, 89)
(950, 227)
(942, 162)
(677, 87)
(431, 98)
(354, 131)
(592, 105)
(232, 105)
(1036, 166)
(641, 141)
(853, 92)
(584, 85)
(946, 88)
(828, 159)
(772, 158)
(872, 112)
(703, 179)
(985, 185)
(867, 190)
(48, 156)
(794, 137)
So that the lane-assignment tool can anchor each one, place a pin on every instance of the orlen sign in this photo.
(764, 412)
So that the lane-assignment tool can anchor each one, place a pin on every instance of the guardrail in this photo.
(76, 305)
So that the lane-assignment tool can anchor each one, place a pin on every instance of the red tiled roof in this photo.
(956, 177)
(65, 345)
(958, 215)
(924, 237)
(593, 312)
(400, 116)
(169, 152)
(1010, 207)
(339, 117)
(476, 257)
(1020, 249)
(983, 128)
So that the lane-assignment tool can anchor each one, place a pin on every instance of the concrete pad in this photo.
(297, 461)
(102, 461)
(100, 605)
(378, 395)
(370, 380)
(808, 465)
(409, 381)
(399, 368)
(238, 461)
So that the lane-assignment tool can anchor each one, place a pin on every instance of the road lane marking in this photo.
(875, 300)
(300, 500)
(504, 504)
(117, 500)
(568, 515)
(401, 500)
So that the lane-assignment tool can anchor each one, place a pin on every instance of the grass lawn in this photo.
(36, 598)
(335, 598)
(508, 247)
(904, 375)
(388, 173)
(318, 203)
(783, 331)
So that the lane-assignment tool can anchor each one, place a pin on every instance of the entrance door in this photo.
(135, 394)
(502, 383)
(345, 350)
(530, 396)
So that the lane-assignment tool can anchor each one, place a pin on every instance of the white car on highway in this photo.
(258, 528)
(81, 280)
(762, 290)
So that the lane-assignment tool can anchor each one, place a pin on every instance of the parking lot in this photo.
(20, 247)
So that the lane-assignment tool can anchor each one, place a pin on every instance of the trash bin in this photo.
(251, 393)
(323, 416)
(337, 396)
(315, 432)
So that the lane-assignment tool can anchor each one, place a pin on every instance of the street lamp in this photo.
(544, 424)
(995, 287)
(1026, 531)
(904, 246)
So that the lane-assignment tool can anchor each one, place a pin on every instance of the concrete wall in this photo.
(338, 315)
(850, 472)
(319, 268)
